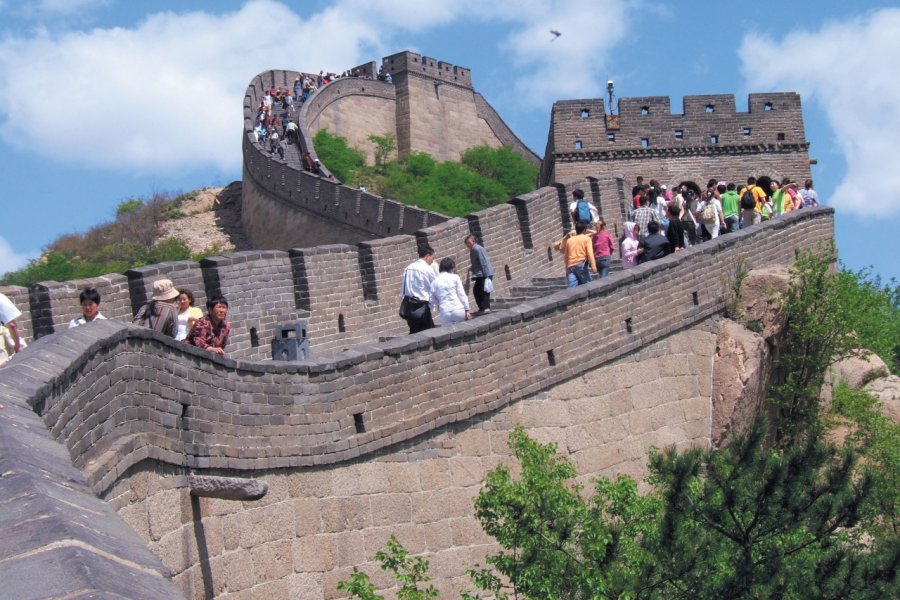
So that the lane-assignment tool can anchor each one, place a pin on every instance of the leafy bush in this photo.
(873, 311)
(485, 176)
(342, 160)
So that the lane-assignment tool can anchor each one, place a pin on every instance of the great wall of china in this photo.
(377, 432)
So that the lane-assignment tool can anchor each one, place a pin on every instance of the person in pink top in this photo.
(603, 248)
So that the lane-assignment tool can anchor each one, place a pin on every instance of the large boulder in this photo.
(757, 307)
(857, 371)
(887, 389)
(739, 374)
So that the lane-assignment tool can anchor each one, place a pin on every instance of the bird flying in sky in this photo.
(555, 34)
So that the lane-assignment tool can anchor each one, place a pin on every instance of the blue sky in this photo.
(102, 100)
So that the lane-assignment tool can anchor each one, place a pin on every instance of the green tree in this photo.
(790, 515)
(872, 309)
(384, 145)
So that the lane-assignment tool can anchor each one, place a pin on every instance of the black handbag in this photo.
(412, 309)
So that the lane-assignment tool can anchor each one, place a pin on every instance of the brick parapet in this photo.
(725, 142)
(116, 394)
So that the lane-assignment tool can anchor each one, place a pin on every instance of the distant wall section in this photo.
(710, 138)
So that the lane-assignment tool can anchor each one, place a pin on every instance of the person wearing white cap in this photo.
(160, 313)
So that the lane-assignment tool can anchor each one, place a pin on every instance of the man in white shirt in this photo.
(415, 290)
(90, 308)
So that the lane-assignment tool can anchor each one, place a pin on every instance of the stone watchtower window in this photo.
(710, 108)
(780, 137)
(746, 132)
(610, 137)
(768, 107)
(714, 139)
(645, 142)
(679, 134)
(585, 113)
(645, 110)
(578, 144)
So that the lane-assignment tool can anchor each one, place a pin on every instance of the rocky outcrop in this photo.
(887, 390)
(740, 371)
(757, 306)
(856, 371)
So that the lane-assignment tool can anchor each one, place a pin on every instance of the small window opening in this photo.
(645, 142)
(254, 337)
(695, 298)
(780, 137)
(710, 108)
(551, 358)
(746, 132)
(645, 110)
(628, 325)
(578, 144)
(610, 137)
(714, 139)
(341, 327)
(679, 134)
(508, 272)
(585, 113)
(768, 107)
(358, 423)
(550, 255)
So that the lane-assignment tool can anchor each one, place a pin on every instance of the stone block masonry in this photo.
(708, 139)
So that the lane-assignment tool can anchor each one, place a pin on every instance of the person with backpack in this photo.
(711, 213)
(583, 211)
(160, 314)
(749, 214)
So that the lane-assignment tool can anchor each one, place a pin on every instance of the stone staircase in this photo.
(538, 288)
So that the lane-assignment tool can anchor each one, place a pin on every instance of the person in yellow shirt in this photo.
(579, 256)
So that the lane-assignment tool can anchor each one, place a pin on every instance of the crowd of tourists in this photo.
(660, 222)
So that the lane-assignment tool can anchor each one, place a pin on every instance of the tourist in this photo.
(482, 274)
(689, 222)
(711, 213)
(415, 291)
(89, 298)
(603, 248)
(629, 249)
(643, 215)
(675, 230)
(654, 245)
(160, 314)
(188, 314)
(582, 210)
(809, 195)
(579, 256)
(730, 207)
(211, 332)
(12, 342)
(448, 295)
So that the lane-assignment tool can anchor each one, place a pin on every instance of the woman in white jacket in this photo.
(448, 295)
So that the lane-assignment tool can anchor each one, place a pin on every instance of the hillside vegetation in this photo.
(484, 176)
(132, 239)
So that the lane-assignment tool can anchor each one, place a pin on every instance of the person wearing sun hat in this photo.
(160, 313)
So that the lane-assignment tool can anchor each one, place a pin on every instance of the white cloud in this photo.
(849, 69)
(11, 260)
(165, 95)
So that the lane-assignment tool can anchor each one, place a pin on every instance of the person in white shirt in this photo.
(415, 290)
(90, 307)
(11, 342)
(448, 295)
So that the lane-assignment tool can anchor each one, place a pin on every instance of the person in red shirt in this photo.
(211, 332)
(603, 248)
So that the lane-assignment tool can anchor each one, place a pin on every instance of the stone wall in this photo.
(316, 524)
(137, 411)
(708, 139)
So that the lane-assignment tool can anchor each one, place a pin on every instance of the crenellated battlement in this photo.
(417, 65)
(648, 139)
